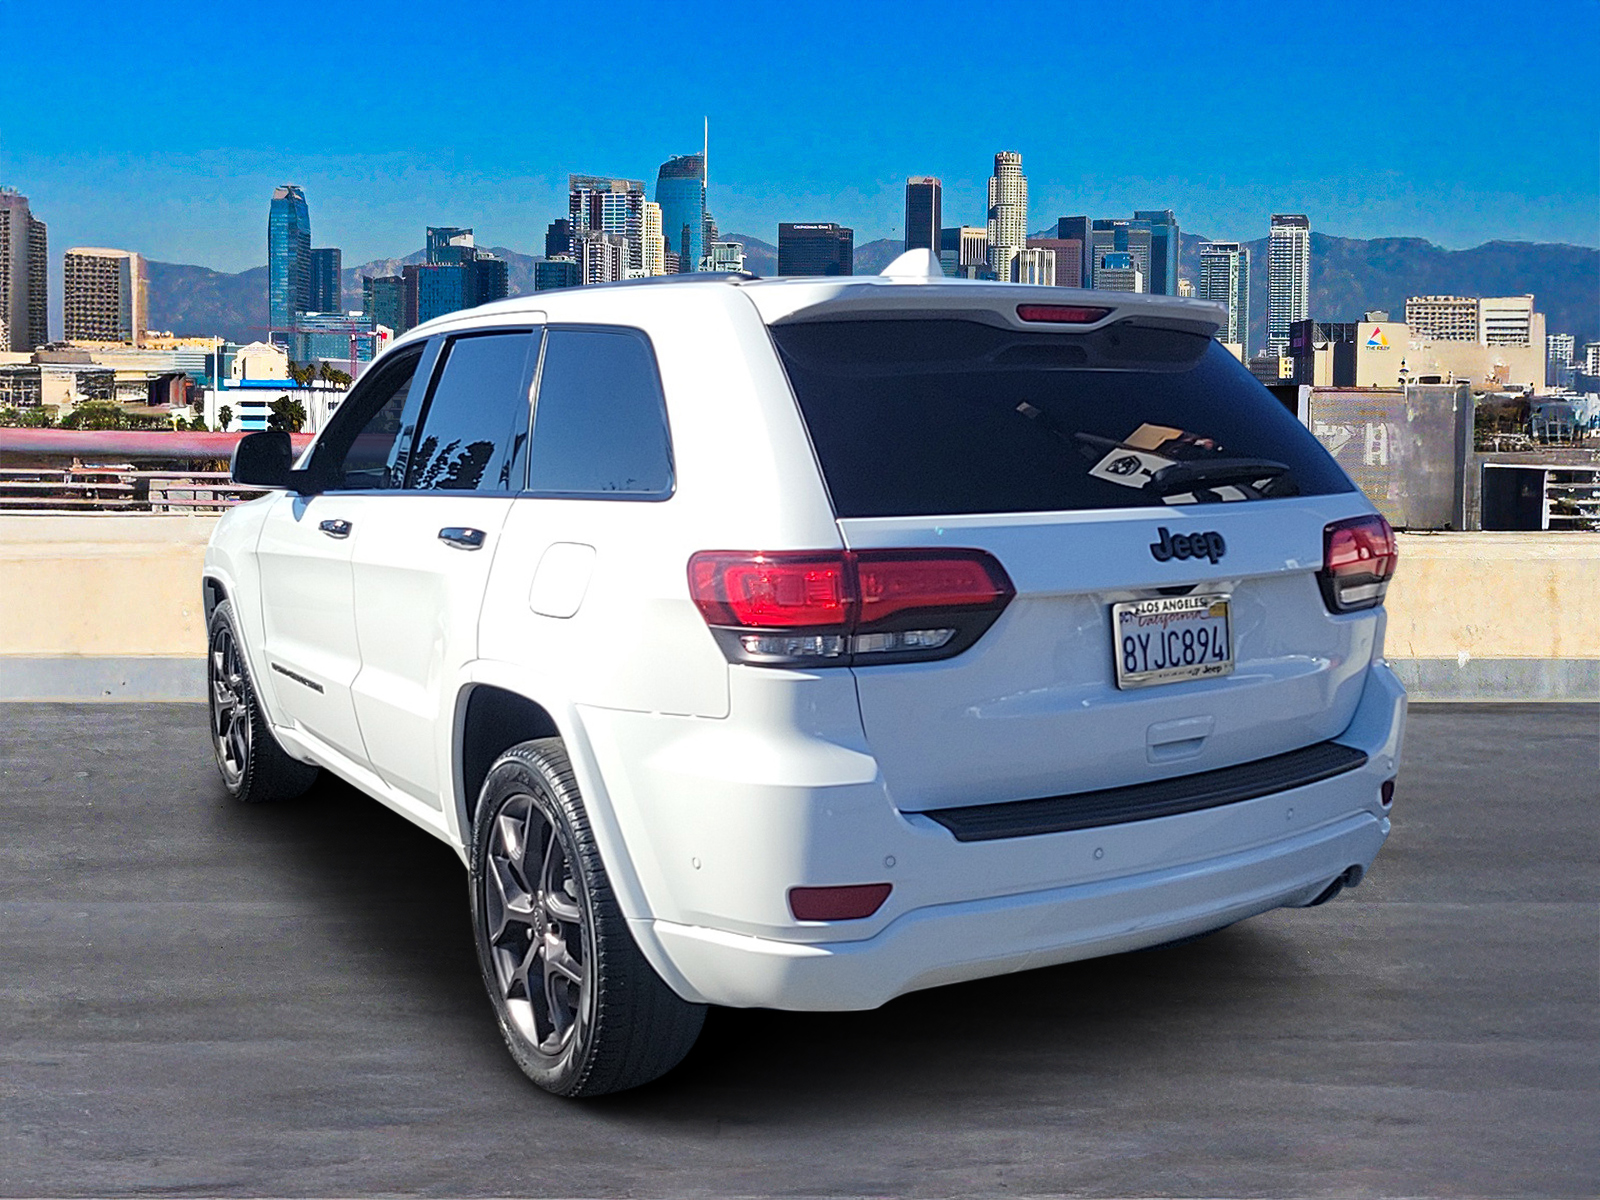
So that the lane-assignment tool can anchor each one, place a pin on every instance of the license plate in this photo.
(1172, 638)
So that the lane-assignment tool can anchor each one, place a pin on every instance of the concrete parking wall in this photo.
(101, 607)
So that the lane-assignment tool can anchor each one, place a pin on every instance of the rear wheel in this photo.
(253, 766)
(580, 1008)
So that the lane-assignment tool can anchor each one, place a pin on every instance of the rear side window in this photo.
(600, 421)
(933, 417)
(474, 430)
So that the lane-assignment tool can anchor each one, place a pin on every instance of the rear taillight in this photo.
(1358, 558)
(844, 607)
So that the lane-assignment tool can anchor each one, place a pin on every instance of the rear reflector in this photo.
(849, 903)
(838, 607)
(1062, 314)
(1358, 559)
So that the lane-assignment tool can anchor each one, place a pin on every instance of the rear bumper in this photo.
(724, 851)
(949, 943)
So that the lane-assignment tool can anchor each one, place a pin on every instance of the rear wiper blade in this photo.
(1242, 473)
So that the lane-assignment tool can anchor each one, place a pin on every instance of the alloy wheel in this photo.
(535, 926)
(230, 707)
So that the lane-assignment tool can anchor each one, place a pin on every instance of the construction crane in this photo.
(377, 336)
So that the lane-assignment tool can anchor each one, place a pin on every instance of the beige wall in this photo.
(110, 585)
(130, 586)
(1496, 595)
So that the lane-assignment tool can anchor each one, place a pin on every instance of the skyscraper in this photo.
(654, 252)
(1225, 278)
(1069, 259)
(612, 206)
(103, 295)
(1034, 264)
(327, 288)
(964, 251)
(815, 249)
(1119, 237)
(602, 257)
(558, 238)
(1118, 271)
(1288, 278)
(681, 193)
(1008, 212)
(923, 212)
(450, 245)
(24, 289)
(1162, 279)
(384, 301)
(288, 260)
(1076, 229)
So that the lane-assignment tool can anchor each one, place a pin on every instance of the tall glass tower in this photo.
(288, 259)
(681, 193)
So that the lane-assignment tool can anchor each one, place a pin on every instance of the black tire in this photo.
(254, 767)
(579, 1006)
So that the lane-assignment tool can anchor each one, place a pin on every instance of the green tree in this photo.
(338, 378)
(286, 414)
(96, 414)
(224, 417)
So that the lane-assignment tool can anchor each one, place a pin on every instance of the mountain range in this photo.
(1349, 276)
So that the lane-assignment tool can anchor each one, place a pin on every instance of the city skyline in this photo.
(827, 141)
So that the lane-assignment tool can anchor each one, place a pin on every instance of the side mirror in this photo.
(263, 459)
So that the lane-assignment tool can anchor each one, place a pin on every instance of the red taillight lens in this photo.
(849, 903)
(1358, 559)
(1062, 314)
(774, 591)
(839, 607)
(893, 583)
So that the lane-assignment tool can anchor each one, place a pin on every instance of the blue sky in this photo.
(163, 127)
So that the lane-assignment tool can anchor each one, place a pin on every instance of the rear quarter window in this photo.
(934, 417)
(600, 419)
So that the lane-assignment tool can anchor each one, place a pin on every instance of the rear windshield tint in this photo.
(932, 417)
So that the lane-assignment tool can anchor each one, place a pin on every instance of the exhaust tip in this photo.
(1351, 876)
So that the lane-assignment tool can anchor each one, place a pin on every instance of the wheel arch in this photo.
(490, 719)
(212, 593)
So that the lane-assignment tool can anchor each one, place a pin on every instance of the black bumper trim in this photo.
(1147, 801)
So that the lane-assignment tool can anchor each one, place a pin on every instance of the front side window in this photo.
(474, 429)
(362, 445)
(600, 421)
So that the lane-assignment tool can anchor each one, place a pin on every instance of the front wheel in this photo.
(253, 766)
(581, 1009)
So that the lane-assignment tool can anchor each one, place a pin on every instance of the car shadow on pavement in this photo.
(392, 900)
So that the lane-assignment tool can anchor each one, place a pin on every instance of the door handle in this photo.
(461, 538)
(335, 529)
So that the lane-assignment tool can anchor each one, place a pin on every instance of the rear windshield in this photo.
(934, 417)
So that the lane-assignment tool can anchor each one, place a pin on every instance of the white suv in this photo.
(804, 642)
